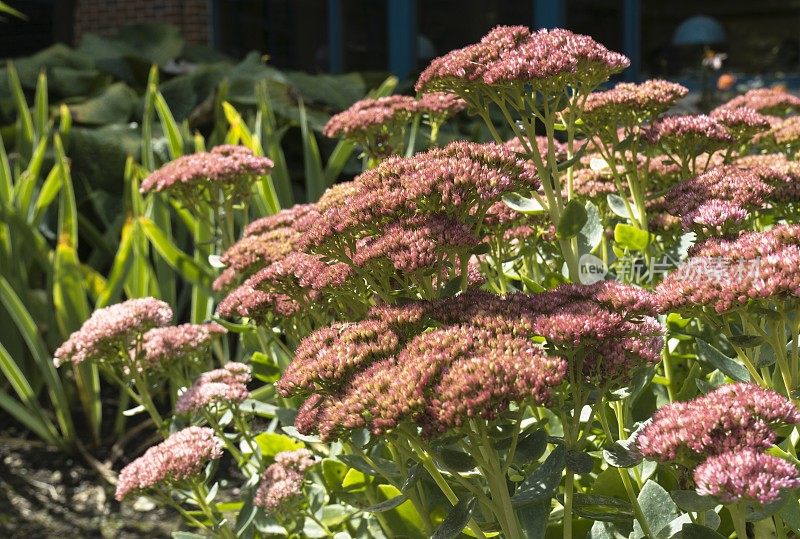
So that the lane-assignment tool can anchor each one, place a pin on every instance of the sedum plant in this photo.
(589, 330)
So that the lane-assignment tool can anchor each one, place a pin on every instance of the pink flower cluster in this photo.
(542, 144)
(742, 123)
(227, 385)
(223, 165)
(476, 357)
(179, 457)
(629, 104)
(725, 274)
(110, 331)
(282, 482)
(783, 135)
(512, 54)
(746, 475)
(379, 124)
(463, 178)
(732, 417)
(165, 346)
(284, 287)
(769, 101)
(688, 135)
(415, 243)
(717, 197)
(726, 430)
(367, 114)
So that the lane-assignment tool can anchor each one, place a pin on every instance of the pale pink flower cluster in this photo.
(222, 165)
(111, 330)
(769, 101)
(369, 114)
(732, 417)
(746, 475)
(227, 385)
(179, 457)
(627, 104)
(164, 346)
(282, 482)
(698, 131)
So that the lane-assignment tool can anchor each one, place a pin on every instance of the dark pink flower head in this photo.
(416, 243)
(735, 416)
(284, 287)
(440, 380)
(725, 274)
(330, 355)
(718, 197)
(199, 175)
(164, 347)
(742, 123)
(224, 386)
(688, 136)
(463, 179)
(554, 59)
(746, 475)
(628, 104)
(254, 252)
(111, 330)
(768, 101)
(468, 65)
(282, 482)
(177, 458)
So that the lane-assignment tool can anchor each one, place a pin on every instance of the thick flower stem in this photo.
(739, 523)
(569, 488)
(441, 482)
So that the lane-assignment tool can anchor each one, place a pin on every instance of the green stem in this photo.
(441, 482)
(739, 523)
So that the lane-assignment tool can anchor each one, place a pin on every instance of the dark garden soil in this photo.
(45, 493)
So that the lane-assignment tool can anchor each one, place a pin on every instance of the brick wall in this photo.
(193, 17)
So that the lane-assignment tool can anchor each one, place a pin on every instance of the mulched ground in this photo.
(45, 493)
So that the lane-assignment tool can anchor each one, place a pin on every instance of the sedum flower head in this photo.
(111, 330)
(746, 475)
(463, 180)
(177, 458)
(784, 135)
(440, 105)
(165, 346)
(440, 380)
(688, 135)
(415, 243)
(742, 123)
(627, 104)
(542, 144)
(199, 175)
(735, 416)
(282, 482)
(716, 197)
(284, 287)
(725, 274)
(768, 101)
(227, 385)
(378, 125)
(439, 363)
(370, 114)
